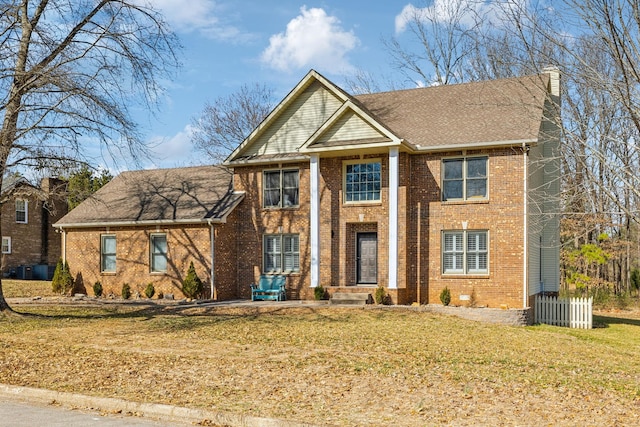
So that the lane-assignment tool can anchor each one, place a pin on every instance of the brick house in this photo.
(413, 190)
(30, 245)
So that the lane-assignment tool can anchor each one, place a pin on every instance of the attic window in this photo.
(21, 211)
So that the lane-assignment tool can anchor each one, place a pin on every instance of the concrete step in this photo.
(348, 298)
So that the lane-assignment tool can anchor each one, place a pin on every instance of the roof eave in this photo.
(475, 145)
(261, 161)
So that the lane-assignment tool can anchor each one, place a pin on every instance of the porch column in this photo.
(314, 178)
(393, 217)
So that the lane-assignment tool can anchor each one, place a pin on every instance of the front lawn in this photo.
(325, 365)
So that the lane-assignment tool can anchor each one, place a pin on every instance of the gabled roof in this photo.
(487, 113)
(493, 111)
(181, 195)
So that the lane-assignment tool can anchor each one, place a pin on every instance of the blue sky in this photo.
(228, 43)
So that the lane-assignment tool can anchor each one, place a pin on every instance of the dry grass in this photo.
(331, 366)
(26, 288)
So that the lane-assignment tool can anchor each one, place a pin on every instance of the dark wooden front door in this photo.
(367, 257)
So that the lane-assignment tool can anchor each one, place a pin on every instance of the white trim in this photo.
(393, 217)
(314, 177)
(214, 294)
(476, 145)
(525, 225)
(26, 211)
(8, 244)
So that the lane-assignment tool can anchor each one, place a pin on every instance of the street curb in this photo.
(154, 411)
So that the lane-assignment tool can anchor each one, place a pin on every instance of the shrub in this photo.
(126, 291)
(473, 299)
(62, 282)
(97, 289)
(150, 290)
(192, 285)
(379, 295)
(319, 292)
(160, 295)
(445, 296)
(635, 278)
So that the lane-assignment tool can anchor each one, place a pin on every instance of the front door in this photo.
(367, 258)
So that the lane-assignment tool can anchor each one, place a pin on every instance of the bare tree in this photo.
(228, 120)
(70, 70)
(596, 43)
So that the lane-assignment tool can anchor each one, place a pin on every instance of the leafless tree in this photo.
(596, 43)
(228, 120)
(70, 73)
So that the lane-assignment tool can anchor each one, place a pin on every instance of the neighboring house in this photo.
(30, 245)
(415, 190)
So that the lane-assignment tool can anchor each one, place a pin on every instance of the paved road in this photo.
(21, 414)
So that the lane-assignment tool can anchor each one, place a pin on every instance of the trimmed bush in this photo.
(62, 282)
(192, 286)
(126, 291)
(97, 289)
(150, 290)
(318, 293)
(445, 296)
(379, 296)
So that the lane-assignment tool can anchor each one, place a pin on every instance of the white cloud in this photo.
(443, 11)
(174, 150)
(312, 40)
(195, 15)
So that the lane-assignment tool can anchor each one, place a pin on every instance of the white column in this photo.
(393, 217)
(314, 171)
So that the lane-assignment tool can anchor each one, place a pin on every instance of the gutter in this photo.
(494, 144)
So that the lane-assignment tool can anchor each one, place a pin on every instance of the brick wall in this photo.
(184, 244)
(36, 241)
(501, 215)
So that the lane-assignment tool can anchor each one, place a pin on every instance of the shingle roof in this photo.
(470, 113)
(191, 194)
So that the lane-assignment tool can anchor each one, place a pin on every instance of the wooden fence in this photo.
(571, 312)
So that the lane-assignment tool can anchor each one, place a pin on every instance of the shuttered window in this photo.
(465, 252)
(281, 253)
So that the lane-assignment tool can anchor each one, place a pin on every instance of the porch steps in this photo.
(348, 298)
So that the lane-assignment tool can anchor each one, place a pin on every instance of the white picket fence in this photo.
(571, 312)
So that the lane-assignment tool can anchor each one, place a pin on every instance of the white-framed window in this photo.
(465, 252)
(108, 253)
(362, 181)
(158, 253)
(464, 178)
(281, 253)
(281, 188)
(6, 245)
(22, 215)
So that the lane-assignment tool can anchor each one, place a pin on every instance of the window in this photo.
(158, 253)
(108, 254)
(6, 245)
(464, 179)
(362, 181)
(21, 211)
(465, 252)
(281, 188)
(281, 253)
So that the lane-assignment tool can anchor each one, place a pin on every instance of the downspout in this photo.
(214, 293)
(525, 260)
(64, 245)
